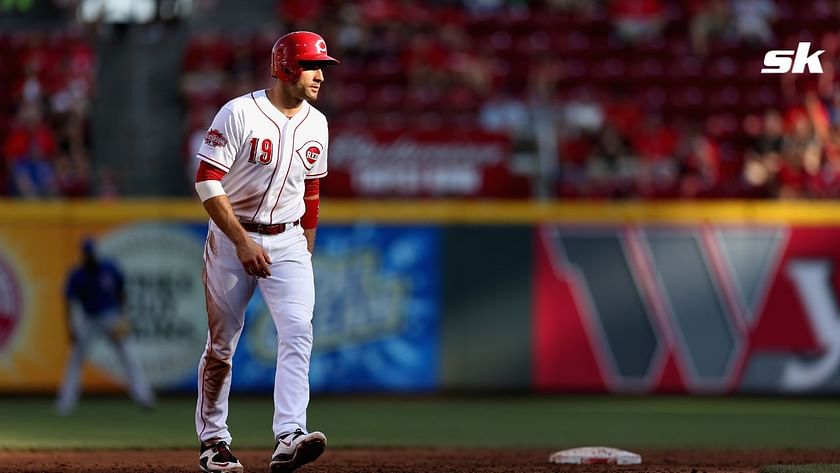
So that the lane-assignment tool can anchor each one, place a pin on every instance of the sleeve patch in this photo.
(309, 153)
(215, 138)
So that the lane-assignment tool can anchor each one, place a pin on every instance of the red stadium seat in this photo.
(725, 98)
(354, 95)
(387, 98)
(723, 68)
(687, 69)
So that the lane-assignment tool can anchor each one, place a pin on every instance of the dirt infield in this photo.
(409, 461)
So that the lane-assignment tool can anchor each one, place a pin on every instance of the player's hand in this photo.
(254, 259)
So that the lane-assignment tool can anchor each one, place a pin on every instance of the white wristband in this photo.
(209, 189)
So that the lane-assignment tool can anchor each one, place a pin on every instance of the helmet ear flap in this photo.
(289, 72)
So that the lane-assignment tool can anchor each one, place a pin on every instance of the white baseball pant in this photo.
(289, 294)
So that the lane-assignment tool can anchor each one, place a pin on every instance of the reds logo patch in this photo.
(312, 154)
(309, 153)
(215, 138)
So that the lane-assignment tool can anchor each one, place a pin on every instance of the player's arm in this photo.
(312, 202)
(208, 185)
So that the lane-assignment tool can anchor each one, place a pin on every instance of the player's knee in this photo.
(221, 351)
(298, 329)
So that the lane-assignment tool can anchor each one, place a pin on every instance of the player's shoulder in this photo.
(316, 115)
(241, 103)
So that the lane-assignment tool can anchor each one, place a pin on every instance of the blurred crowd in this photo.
(47, 83)
(616, 98)
(604, 98)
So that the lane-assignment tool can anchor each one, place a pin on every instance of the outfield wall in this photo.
(484, 296)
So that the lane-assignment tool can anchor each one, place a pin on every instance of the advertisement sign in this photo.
(34, 259)
(376, 314)
(162, 265)
(374, 163)
(697, 309)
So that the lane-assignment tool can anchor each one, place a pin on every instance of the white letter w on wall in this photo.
(812, 279)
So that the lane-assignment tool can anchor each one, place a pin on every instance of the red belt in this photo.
(269, 229)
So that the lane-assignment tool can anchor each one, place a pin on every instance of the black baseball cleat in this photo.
(295, 449)
(216, 457)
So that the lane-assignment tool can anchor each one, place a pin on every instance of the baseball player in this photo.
(96, 292)
(258, 179)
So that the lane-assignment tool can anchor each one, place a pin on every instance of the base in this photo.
(595, 456)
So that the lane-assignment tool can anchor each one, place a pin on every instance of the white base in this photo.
(596, 455)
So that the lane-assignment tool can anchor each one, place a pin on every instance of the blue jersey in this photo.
(97, 288)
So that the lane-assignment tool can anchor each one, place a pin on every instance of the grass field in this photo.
(539, 422)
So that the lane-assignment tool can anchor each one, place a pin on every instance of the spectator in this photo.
(801, 155)
(763, 158)
(753, 20)
(655, 142)
(463, 63)
(583, 113)
(638, 20)
(832, 154)
(352, 34)
(834, 108)
(544, 76)
(30, 150)
(713, 22)
(426, 60)
(612, 166)
(624, 112)
(772, 138)
(700, 165)
(503, 112)
(829, 80)
(72, 177)
(574, 157)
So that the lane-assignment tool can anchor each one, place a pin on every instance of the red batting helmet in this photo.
(294, 47)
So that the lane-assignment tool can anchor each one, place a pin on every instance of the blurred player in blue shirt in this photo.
(95, 291)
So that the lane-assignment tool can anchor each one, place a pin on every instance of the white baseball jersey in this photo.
(267, 156)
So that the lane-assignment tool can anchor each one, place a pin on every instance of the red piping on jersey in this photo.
(208, 172)
(291, 158)
(279, 142)
(222, 166)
